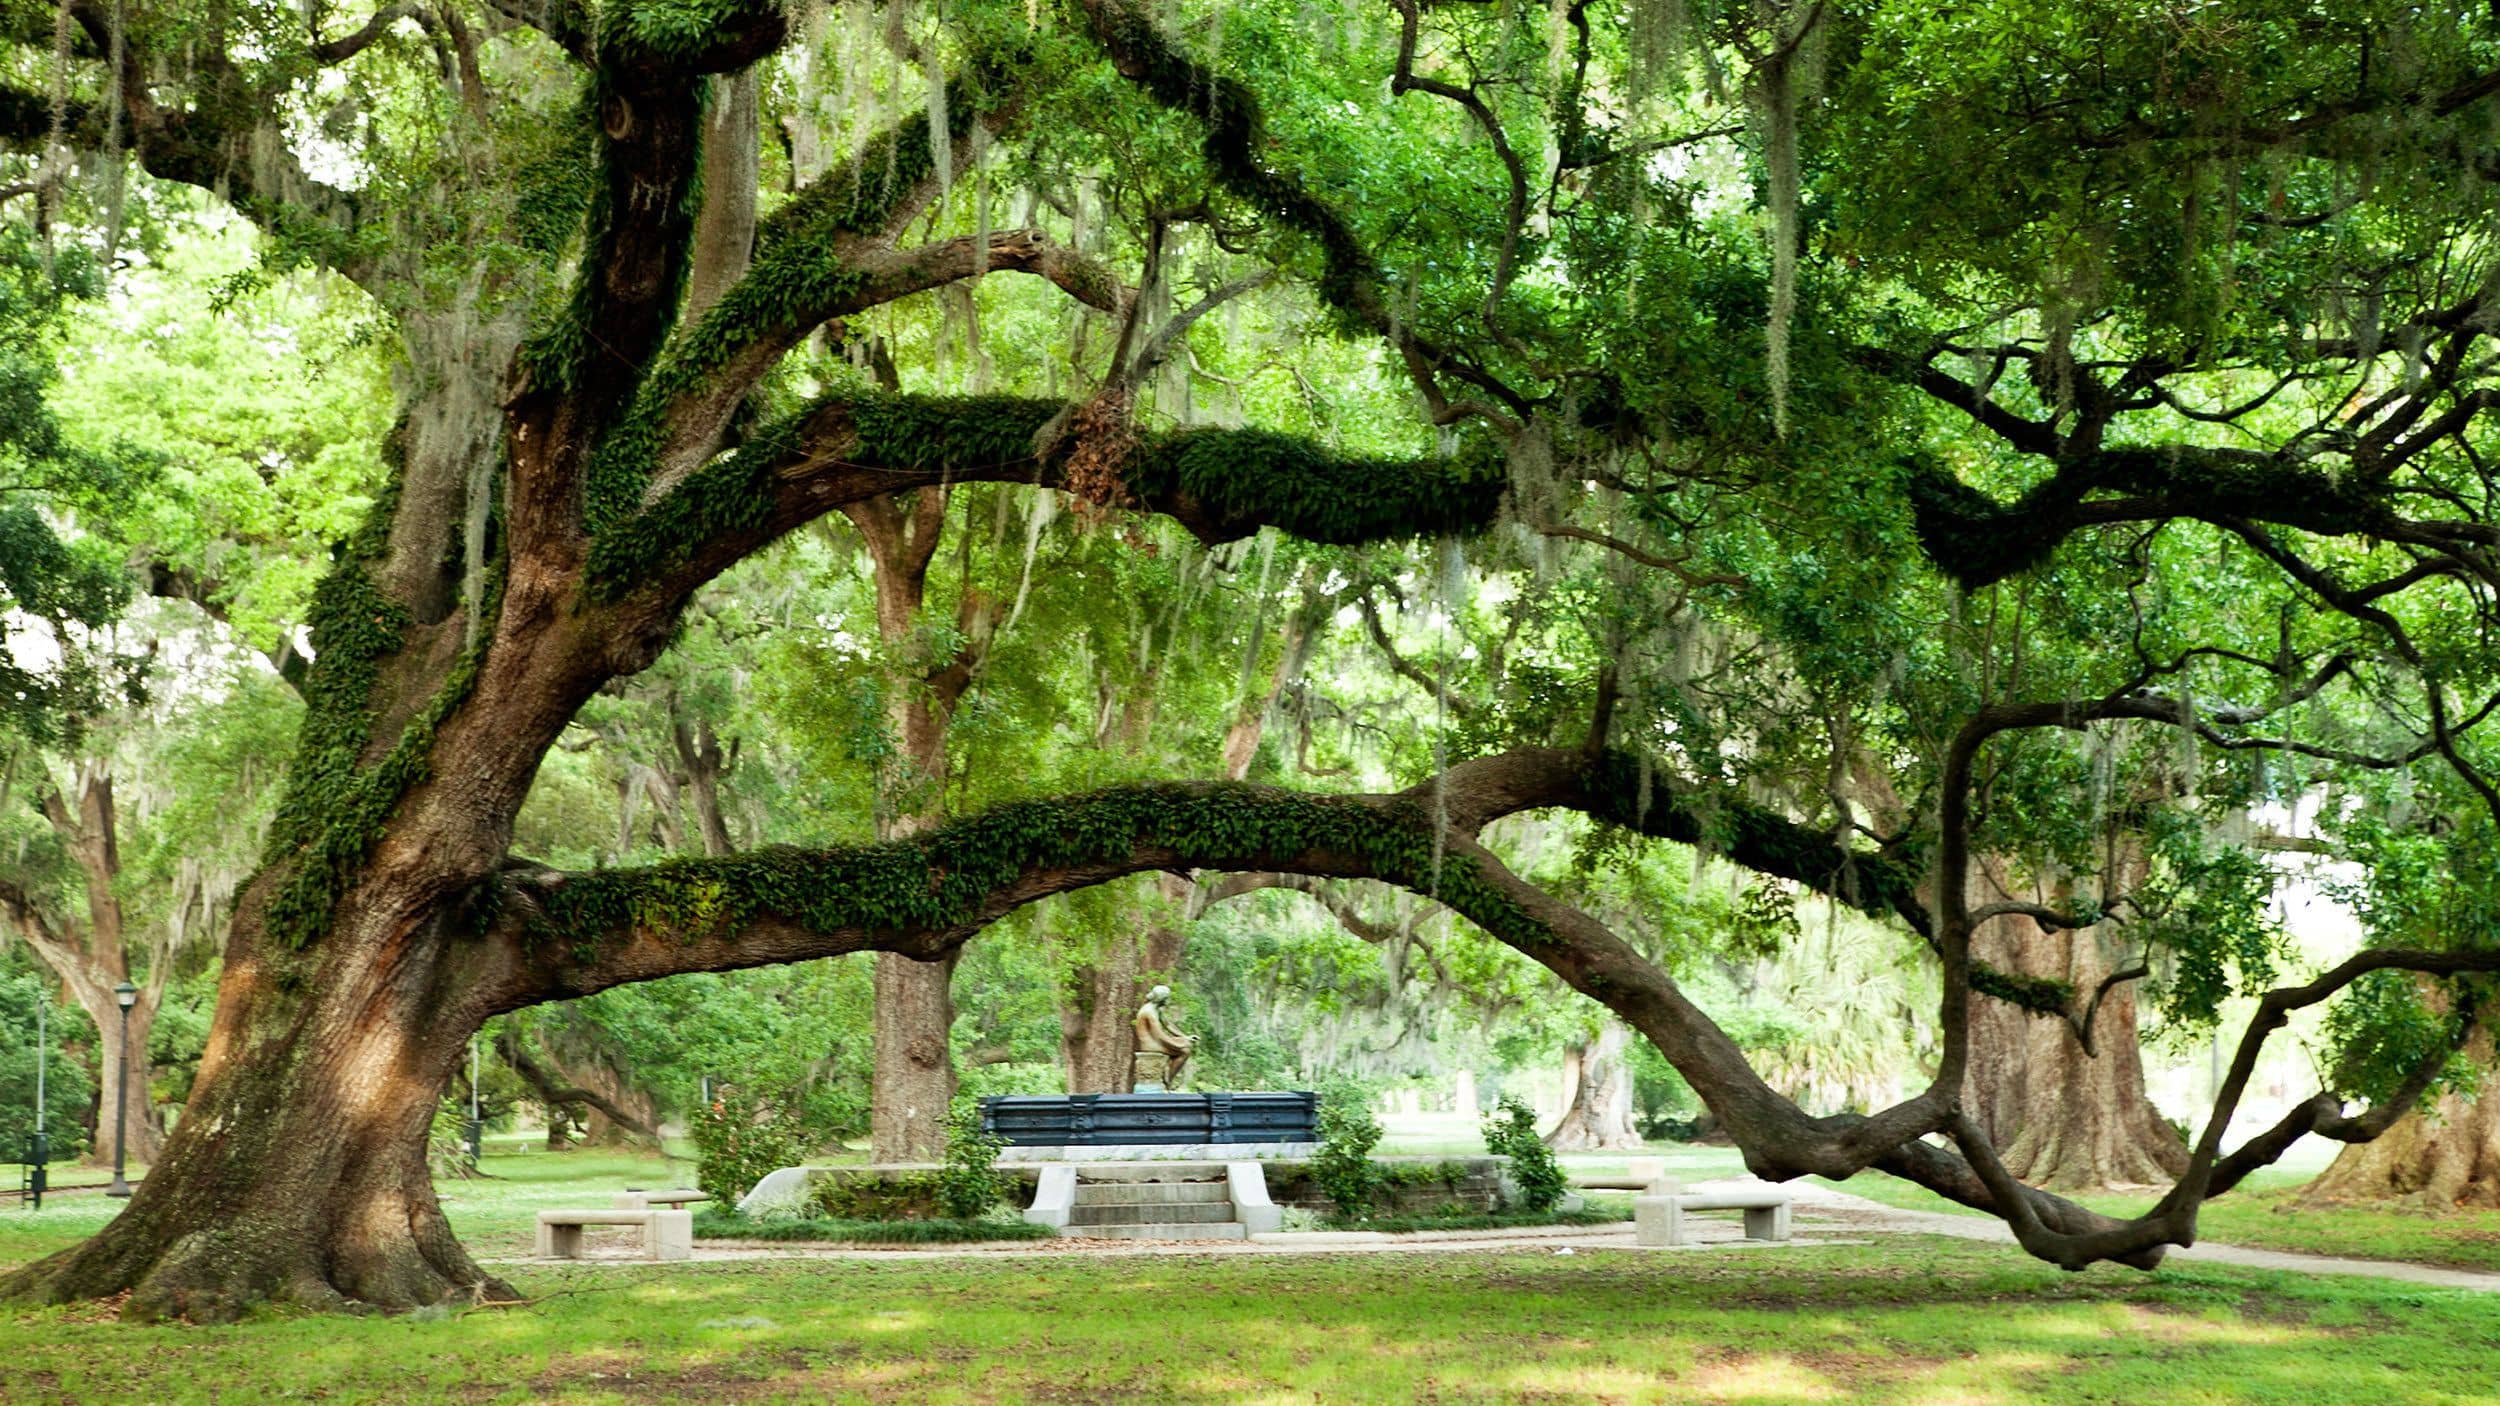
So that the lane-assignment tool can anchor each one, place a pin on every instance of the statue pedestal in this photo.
(1152, 1126)
(1150, 1073)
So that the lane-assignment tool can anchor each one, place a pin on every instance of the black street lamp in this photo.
(126, 996)
(41, 1153)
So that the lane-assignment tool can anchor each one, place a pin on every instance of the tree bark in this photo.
(915, 1070)
(299, 1172)
(1598, 1115)
(2060, 1116)
(2442, 1160)
(700, 753)
(912, 1083)
(1095, 1044)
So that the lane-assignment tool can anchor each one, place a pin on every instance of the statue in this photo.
(1154, 1038)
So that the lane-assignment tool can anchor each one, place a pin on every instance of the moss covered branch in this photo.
(929, 893)
(824, 255)
(1220, 484)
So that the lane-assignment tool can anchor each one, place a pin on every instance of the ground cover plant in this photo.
(1395, 1224)
(711, 1224)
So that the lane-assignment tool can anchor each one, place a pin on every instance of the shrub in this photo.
(1510, 1131)
(712, 1224)
(1342, 1167)
(738, 1138)
(1464, 1219)
(875, 1195)
(970, 1182)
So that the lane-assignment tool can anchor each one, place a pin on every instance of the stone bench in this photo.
(1658, 1217)
(1640, 1174)
(675, 1200)
(666, 1235)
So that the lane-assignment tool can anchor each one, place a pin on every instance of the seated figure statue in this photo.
(1154, 1038)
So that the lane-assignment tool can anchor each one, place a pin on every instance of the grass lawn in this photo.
(1916, 1321)
(1913, 1320)
(2266, 1214)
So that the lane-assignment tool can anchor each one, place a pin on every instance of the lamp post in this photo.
(41, 1153)
(125, 996)
(476, 1126)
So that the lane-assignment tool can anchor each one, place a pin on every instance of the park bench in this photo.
(1641, 1174)
(1660, 1203)
(1658, 1214)
(666, 1235)
(676, 1199)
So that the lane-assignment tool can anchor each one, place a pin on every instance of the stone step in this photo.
(1150, 1193)
(1196, 1213)
(1205, 1230)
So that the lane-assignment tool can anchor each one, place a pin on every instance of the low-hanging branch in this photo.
(560, 935)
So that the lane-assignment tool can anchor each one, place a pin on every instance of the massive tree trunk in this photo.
(1597, 1112)
(1095, 1042)
(914, 1082)
(2441, 1160)
(2059, 1115)
(299, 1171)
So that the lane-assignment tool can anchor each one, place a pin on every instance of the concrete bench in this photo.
(1658, 1218)
(666, 1235)
(1640, 1174)
(676, 1200)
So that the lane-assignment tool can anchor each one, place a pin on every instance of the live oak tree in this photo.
(1982, 346)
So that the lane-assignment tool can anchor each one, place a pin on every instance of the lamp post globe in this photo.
(125, 995)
